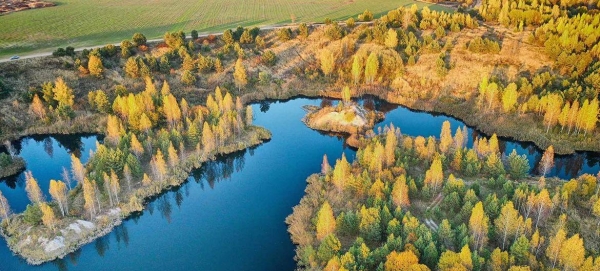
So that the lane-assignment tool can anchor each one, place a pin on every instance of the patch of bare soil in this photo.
(8, 6)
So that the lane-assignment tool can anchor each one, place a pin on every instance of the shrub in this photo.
(139, 39)
(188, 78)
(268, 58)
(367, 16)
(264, 78)
(334, 32)
(350, 22)
(3, 89)
(303, 30)
(32, 215)
(483, 46)
(70, 51)
(284, 34)
(59, 52)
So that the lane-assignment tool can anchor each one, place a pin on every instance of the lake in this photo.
(230, 214)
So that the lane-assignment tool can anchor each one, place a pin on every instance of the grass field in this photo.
(82, 23)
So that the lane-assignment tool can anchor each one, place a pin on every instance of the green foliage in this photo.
(328, 248)
(139, 39)
(366, 16)
(188, 78)
(483, 46)
(518, 165)
(174, 39)
(32, 215)
(268, 58)
(59, 52)
(284, 34)
(334, 32)
(3, 89)
(350, 22)
(347, 224)
(520, 250)
(303, 30)
(370, 224)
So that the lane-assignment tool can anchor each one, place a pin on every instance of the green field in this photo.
(81, 23)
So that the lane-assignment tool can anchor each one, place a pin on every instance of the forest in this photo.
(471, 210)
(527, 70)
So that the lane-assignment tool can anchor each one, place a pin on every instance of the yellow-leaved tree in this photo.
(406, 260)
(89, 193)
(547, 161)
(507, 223)
(37, 107)
(391, 38)
(434, 177)
(77, 169)
(372, 68)
(572, 253)
(346, 95)
(48, 218)
(357, 69)
(391, 143)
(95, 66)
(327, 61)
(239, 75)
(446, 139)
(33, 189)
(58, 191)
(325, 221)
(478, 226)
(509, 97)
(400, 192)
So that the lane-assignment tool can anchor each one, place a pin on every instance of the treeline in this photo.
(383, 213)
(555, 110)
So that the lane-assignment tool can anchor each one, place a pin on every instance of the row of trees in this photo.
(555, 110)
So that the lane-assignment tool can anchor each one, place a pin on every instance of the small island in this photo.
(346, 117)
(10, 165)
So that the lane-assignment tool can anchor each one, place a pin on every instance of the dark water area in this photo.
(230, 214)
(45, 157)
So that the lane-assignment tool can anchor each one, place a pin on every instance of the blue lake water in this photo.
(230, 214)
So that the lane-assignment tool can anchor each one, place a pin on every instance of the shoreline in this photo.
(16, 166)
(114, 217)
(470, 119)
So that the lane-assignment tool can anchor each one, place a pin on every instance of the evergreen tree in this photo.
(518, 166)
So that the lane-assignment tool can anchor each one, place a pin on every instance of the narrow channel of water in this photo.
(230, 215)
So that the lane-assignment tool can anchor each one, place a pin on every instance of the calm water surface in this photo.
(230, 214)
